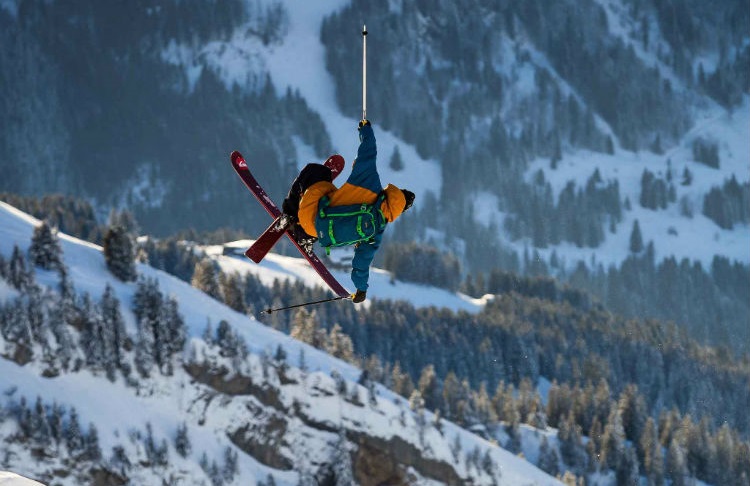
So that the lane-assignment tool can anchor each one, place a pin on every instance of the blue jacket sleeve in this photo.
(365, 171)
(363, 255)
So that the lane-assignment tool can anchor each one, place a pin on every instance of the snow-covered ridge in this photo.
(117, 409)
(382, 285)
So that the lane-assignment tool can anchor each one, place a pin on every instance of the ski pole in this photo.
(269, 310)
(364, 72)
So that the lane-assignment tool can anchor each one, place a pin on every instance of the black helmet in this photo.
(409, 196)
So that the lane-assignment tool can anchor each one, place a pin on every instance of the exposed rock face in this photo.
(264, 434)
(263, 437)
(216, 378)
(385, 462)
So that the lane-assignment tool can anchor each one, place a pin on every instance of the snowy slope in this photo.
(117, 409)
(297, 62)
(382, 285)
(697, 238)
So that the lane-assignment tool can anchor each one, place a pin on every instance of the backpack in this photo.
(350, 224)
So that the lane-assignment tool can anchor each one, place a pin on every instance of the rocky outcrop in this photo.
(220, 379)
(378, 461)
(263, 437)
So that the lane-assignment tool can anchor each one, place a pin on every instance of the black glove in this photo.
(360, 296)
(363, 123)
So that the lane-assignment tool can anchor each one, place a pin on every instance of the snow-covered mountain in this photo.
(254, 417)
(295, 68)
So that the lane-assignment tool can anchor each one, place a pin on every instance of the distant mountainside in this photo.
(601, 142)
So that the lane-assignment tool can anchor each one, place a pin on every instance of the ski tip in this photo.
(236, 156)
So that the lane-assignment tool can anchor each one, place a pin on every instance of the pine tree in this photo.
(205, 278)
(144, 351)
(397, 163)
(306, 328)
(72, 433)
(114, 329)
(429, 387)
(632, 408)
(676, 466)
(548, 459)
(402, 382)
(613, 440)
(626, 471)
(174, 330)
(125, 220)
(571, 445)
(341, 462)
(56, 422)
(39, 427)
(119, 254)
(340, 345)
(230, 467)
(182, 440)
(93, 342)
(92, 450)
(45, 250)
(687, 177)
(19, 275)
(636, 239)
(652, 456)
(232, 291)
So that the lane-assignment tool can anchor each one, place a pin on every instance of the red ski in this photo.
(240, 166)
(276, 230)
(268, 239)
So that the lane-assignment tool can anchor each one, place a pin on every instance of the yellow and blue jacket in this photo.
(362, 186)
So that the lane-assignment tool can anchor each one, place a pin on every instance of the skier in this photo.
(312, 192)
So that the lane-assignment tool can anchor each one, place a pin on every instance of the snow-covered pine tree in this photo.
(119, 253)
(45, 250)
(182, 440)
(144, 351)
(72, 433)
(14, 327)
(174, 332)
(341, 462)
(19, 275)
(114, 331)
(92, 339)
(92, 450)
(230, 468)
(153, 344)
(55, 419)
(39, 427)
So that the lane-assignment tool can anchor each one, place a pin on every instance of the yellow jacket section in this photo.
(392, 206)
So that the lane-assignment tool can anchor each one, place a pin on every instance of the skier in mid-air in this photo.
(338, 215)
